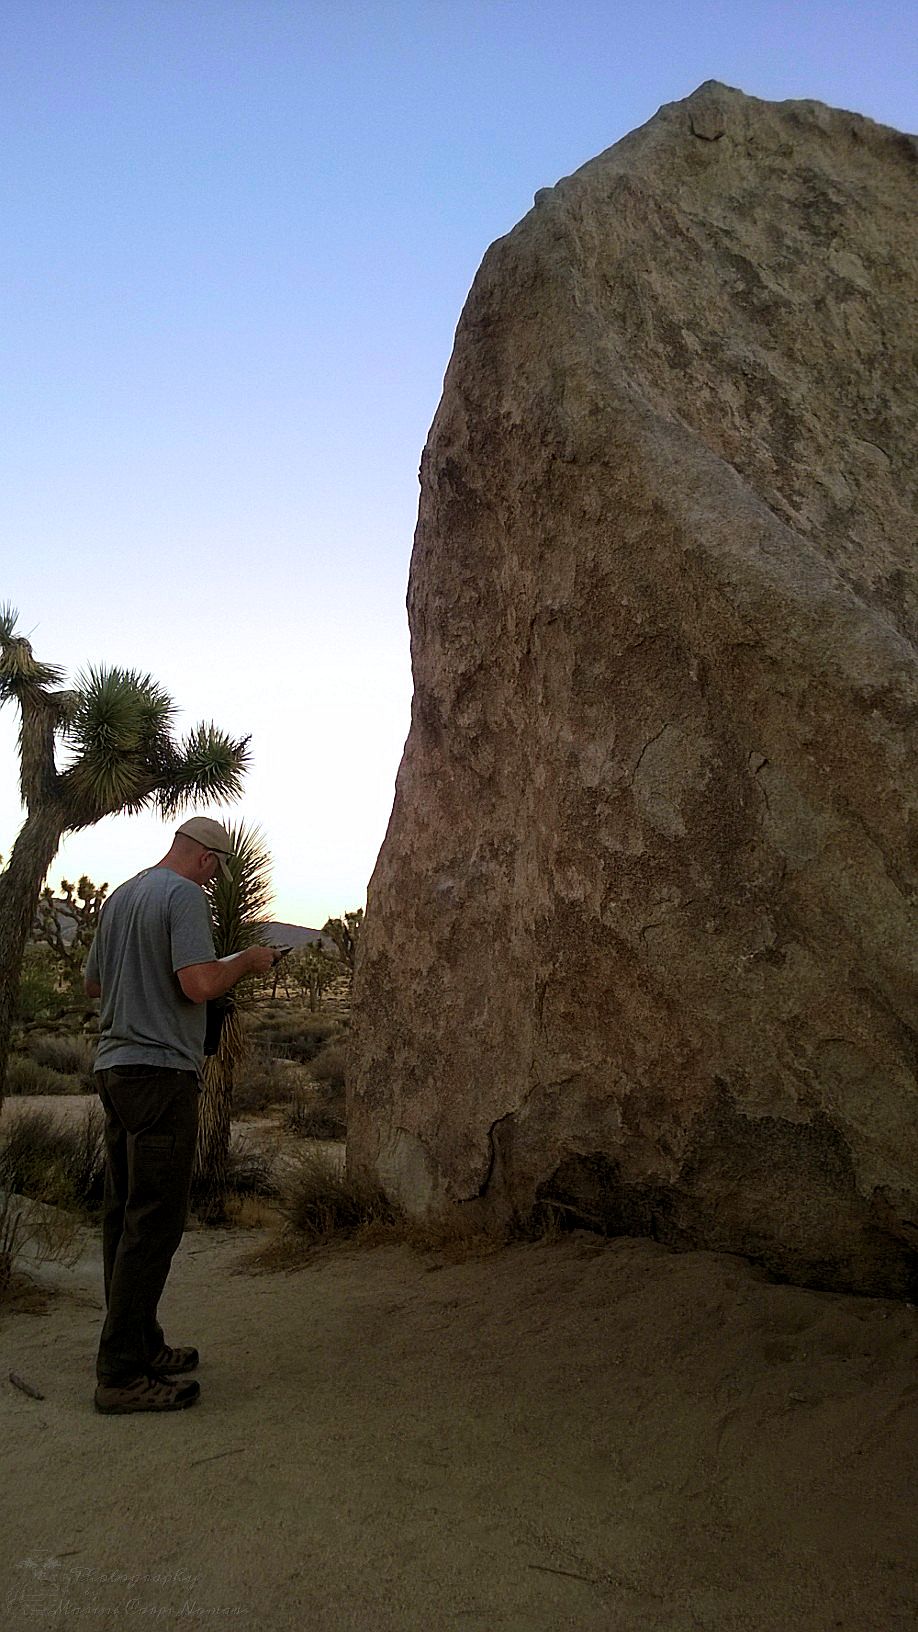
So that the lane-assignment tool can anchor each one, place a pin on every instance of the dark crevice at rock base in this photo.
(781, 1194)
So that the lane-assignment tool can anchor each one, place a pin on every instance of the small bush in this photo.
(320, 1199)
(38, 997)
(315, 1116)
(69, 1053)
(261, 1081)
(26, 1076)
(297, 1038)
(330, 1066)
(53, 1161)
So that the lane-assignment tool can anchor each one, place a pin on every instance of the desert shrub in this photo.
(249, 1177)
(38, 998)
(260, 1082)
(53, 1161)
(250, 1171)
(67, 1052)
(330, 1066)
(320, 1199)
(299, 1037)
(25, 1076)
(312, 1115)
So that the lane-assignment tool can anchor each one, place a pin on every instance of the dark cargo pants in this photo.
(151, 1124)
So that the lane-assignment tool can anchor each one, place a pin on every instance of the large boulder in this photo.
(640, 943)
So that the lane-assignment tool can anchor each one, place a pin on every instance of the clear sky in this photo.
(237, 238)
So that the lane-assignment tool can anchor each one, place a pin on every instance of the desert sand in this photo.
(581, 1433)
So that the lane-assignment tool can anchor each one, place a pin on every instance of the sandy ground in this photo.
(580, 1434)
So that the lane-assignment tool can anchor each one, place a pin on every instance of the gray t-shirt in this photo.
(150, 927)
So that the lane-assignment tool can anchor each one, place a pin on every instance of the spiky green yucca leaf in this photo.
(156, 710)
(117, 711)
(208, 764)
(20, 670)
(239, 904)
(108, 728)
(103, 783)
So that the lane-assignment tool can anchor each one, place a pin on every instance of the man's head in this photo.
(201, 846)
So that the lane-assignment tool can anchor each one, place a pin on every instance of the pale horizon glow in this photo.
(238, 242)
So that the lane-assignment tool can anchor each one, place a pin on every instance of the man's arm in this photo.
(91, 987)
(203, 981)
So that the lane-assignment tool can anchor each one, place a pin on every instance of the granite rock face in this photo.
(641, 939)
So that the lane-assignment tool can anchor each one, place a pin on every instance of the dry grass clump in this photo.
(25, 1076)
(250, 1170)
(55, 1233)
(52, 1234)
(321, 1200)
(315, 1115)
(71, 1053)
(250, 1186)
(12, 1237)
(325, 1206)
(248, 1212)
(55, 1162)
(52, 1063)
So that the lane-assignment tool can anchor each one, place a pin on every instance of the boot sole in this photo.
(145, 1410)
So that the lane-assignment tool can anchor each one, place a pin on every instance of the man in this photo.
(152, 962)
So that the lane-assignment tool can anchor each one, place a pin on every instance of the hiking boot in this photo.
(173, 1362)
(145, 1393)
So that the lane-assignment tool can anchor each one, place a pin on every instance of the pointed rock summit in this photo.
(640, 947)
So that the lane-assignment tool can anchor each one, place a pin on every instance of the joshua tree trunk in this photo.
(20, 888)
(215, 1105)
(238, 906)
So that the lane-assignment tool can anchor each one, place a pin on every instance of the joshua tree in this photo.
(119, 754)
(238, 906)
(67, 923)
(345, 932)
(313, 969)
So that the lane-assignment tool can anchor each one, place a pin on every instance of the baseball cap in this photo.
(213, 837)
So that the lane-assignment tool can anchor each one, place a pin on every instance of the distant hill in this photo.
(275, 934)
(296, 935)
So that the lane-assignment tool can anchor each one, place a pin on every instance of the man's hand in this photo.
(203, 981)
